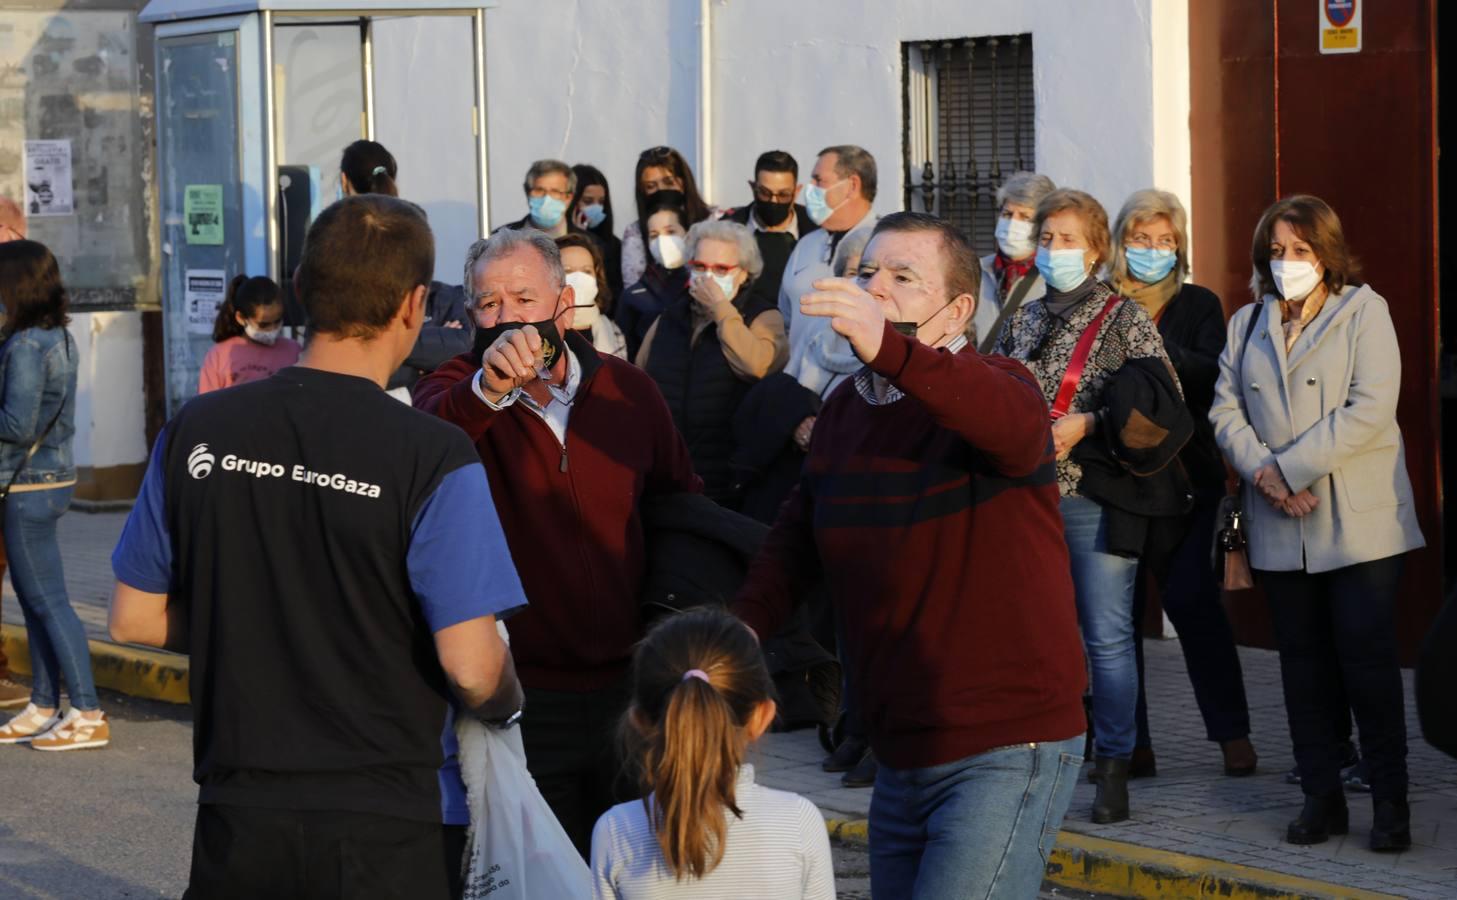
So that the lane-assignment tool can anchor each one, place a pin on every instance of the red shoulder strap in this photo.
(1074, 372)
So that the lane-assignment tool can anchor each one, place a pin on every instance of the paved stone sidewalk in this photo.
(1189, 808)
(1192, 808)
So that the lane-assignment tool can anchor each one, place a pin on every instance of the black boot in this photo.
(1111, 803)
(1391, 826)
(1320, 818)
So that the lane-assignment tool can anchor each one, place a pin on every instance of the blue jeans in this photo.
(978, 827)
(58, 648)
(1104, 586)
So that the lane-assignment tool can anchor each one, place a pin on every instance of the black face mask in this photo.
(551, 339)
(911, 329)
(771, 215)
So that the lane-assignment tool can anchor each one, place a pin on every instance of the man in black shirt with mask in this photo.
(778, 222)
(333, 562)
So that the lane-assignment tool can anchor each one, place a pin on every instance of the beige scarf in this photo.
(1296, 314)
(1152, 297)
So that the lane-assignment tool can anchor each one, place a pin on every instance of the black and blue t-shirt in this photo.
(318, 533)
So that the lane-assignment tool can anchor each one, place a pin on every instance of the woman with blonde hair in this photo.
(1305, 412)
(701, 696)
(1151, 266)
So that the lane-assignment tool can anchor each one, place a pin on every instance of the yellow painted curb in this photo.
(1127, 870)
(150, 674)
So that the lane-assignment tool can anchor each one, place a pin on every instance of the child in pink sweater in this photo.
(248, 336)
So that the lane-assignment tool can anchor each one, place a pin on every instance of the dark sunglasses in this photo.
(657, 153)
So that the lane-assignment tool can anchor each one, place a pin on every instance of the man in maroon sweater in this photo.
(570, 458)
(929, 502)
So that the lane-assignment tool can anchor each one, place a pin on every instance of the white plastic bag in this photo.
(516, 850)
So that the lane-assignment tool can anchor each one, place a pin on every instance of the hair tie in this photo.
(378, 170)
(699, 674)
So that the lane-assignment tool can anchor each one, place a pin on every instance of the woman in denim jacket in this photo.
(38, 362)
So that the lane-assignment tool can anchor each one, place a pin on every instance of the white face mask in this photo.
(668, 249)
(266, 338)
(1294, 280)
(584, 307)
(1014, 237)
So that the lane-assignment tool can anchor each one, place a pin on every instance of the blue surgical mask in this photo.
(814, 202)
(594, 214)
(547, 211)
(726, 284)
(1063, 270)
(1149, 265)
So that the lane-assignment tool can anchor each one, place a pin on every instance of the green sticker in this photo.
(202, 213)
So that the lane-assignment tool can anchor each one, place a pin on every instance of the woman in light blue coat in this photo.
(1305, 411)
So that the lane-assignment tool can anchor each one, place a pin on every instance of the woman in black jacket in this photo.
(666, 277)
(592, 212)
(1150, 265)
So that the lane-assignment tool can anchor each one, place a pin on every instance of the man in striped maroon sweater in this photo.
(929, 503)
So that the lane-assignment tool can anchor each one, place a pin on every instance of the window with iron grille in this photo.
(969, 125)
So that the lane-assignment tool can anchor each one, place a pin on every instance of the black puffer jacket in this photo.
(702, 389)
(1131, 463)
(640, 305)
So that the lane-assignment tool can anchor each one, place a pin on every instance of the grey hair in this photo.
(1025, 188)
(507, 241)
(1141, 207)
(546, 167)
(750, 259)
(853, 160)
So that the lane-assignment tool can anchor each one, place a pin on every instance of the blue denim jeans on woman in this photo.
(978, 827)
(58, 649)
(1104, 585)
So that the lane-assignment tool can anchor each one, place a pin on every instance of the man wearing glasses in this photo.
(776, 217)
(550, 187)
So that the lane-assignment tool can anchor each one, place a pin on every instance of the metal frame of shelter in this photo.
(253, 21)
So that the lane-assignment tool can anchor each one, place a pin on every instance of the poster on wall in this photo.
(202, 294)
(202, 211)
(48, 179)
(1340, 26)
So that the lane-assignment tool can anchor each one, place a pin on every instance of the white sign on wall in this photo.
(48, 178)
(203, 294)
(1340, 26)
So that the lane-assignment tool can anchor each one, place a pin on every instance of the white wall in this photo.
(110, 412)
(805, 74)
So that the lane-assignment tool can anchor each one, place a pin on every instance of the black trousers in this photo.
(1192, 599)
(1339, 628)
(244, 852)
(572, 750)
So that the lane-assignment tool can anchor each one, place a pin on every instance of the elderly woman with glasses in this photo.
(711, 343)
(1076, 339)
(1151, 267)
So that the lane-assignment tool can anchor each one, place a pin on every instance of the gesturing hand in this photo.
(511, 361)
(1272, 485)
(852, 312)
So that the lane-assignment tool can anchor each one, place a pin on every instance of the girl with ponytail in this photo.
(700, 696)
(367, 168)
(248, 341)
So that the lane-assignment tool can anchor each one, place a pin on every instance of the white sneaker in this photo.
(27, 725)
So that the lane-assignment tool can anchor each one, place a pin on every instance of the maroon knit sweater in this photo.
(935, 522)
(571, 515)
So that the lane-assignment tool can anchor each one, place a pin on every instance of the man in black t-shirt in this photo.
(332, 560)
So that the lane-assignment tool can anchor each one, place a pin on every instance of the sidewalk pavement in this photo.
(1194, 832)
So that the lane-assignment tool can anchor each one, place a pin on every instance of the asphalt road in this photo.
(101, 824)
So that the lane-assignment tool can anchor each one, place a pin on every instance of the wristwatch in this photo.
(507, 723)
